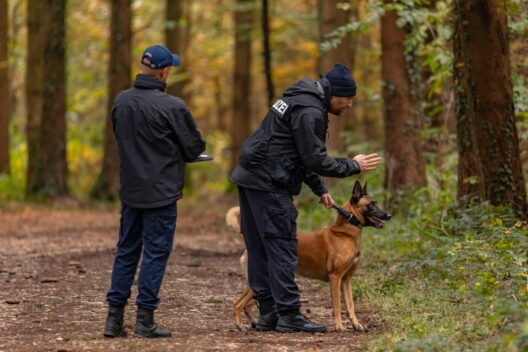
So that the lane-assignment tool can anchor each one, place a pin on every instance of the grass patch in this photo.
(213, 300)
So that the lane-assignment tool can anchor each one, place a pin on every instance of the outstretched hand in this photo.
(368, 162)
(326, 200)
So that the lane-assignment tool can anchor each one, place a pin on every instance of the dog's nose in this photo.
(388, 216)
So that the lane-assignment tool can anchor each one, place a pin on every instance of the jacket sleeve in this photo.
(308, 128)
(187, 135)
(315, 182)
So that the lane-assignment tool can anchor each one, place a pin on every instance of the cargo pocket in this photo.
(280, 223)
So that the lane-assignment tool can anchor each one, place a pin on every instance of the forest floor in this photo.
(55, 268)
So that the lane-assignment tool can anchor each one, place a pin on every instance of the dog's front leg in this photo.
(335, 283)
(349, 303)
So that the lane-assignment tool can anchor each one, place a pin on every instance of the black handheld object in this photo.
(201, 157)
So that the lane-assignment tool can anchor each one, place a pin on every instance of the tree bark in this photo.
(405, 165)
(52, 172)
(37, 23)
(243, 18)
(330, 19)
(267, 52)
(119, 71)
(352, 122)
(369, 126)
(177, 38)
(5, 89)
(489, 163)
(221, 97)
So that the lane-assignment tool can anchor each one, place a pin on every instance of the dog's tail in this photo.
(233, 219)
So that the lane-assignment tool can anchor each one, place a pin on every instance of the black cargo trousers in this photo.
(268, 224)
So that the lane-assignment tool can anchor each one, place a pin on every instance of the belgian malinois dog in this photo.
(329, 254)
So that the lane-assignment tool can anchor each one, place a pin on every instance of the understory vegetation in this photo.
(440, 276)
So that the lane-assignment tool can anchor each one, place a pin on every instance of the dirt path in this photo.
(55, 268)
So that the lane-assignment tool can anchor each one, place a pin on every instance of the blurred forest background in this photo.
(442, 95)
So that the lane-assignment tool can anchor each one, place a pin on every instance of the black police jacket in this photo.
(289, 146)
(156, 135)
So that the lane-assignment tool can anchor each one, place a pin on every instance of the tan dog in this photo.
(329, 254)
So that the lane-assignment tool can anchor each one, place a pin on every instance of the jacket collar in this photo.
(323, 85)
(144, 81)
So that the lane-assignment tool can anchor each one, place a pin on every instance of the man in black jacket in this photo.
(156, 135)
(287, 150)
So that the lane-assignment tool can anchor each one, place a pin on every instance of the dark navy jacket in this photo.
(289, 147)
(156, 135)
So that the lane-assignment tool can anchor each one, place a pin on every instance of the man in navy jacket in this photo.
(156, 135)
(287, 150)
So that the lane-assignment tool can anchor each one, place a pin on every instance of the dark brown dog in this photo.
(329, 254)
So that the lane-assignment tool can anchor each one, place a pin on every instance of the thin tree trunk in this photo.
(489, 163)
(52, 171)
(37, 23)
(222, 107)
(330, 19)
(369, 120)
(405, 165)
(352, 121)
(177, 38)
(221, 111)
(119, 72)
(267, 52)
(243, 17)
(5, 89)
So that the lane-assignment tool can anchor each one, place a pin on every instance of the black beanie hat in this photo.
(342, 83)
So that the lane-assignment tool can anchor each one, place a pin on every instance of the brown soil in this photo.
(55, 268)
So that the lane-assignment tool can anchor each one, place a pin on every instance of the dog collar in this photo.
(350, 218)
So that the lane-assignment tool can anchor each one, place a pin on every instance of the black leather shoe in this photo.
(296, 322)
(146, 327)
(114, 322)
(268, 321)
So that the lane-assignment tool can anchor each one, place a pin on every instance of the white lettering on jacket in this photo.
(280, 106)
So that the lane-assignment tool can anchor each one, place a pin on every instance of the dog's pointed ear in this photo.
(365, 188)
(357, 193)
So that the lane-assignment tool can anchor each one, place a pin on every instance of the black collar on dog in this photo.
(351, 219)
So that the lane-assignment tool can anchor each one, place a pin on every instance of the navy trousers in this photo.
(147, 231)
(268, 223)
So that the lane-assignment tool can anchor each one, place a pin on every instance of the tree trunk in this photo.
(267, 52)
(404, 163)
(330, 19)
(37, 23)
(177, 38)
(119, 71)
(5, 90)
(369, 118)
(489, 163)
(220, 95)
(352, 122)
(52, 170)
(243, 18)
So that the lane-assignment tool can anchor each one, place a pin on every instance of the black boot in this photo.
(296, 322)
(146, 327)
(114, 322)
(267, 316)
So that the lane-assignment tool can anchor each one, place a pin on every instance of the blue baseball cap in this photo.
(159, 57)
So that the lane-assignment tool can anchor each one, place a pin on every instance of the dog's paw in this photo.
(244, 328)
(358, 326)
(340, 327)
